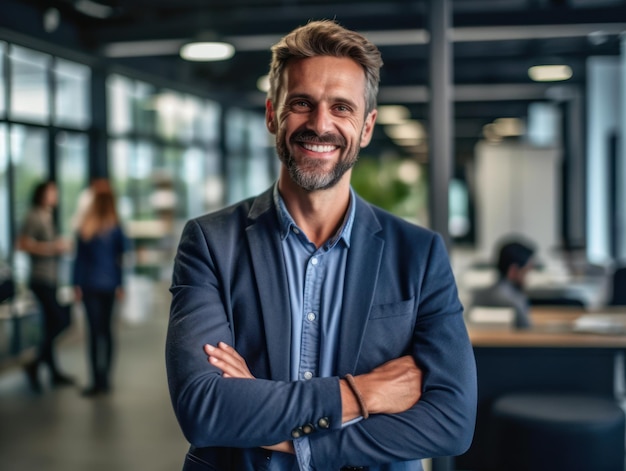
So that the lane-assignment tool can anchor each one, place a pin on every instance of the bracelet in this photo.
(350, 380)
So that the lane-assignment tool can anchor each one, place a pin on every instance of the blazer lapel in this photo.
(271, 283)
(362, 270)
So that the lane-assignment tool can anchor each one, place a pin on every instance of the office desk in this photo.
(550, 357)
(555, 327)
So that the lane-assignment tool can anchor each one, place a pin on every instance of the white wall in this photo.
(518, 191)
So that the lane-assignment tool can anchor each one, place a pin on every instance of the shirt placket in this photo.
(309, 353)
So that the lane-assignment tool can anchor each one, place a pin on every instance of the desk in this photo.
(550, 357)
(554, 328)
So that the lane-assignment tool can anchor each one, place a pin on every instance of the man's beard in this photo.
(309, 174)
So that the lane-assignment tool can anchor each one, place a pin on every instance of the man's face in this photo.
(518, 275)
(319, 120)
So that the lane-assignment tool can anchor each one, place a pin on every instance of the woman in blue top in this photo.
(100, 244)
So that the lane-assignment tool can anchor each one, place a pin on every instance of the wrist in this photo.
(368, 392)
(351, 382)
(349, 405)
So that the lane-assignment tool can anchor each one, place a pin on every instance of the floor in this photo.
(133, 428)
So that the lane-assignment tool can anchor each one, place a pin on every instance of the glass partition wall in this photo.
(164, 155)
(45, 115)
(170, 156)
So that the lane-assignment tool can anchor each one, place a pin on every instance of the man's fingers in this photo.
(228, 360)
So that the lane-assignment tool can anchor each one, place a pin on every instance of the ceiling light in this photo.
(207, 51)
(51, 20)
(263, 83)
(93, 9)
(509, 127)
(410, 129)
(550, 73)
(392, 114)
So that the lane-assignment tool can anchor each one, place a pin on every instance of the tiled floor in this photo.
(133, 428)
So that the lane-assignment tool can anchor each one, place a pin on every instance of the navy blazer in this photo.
(229, 284)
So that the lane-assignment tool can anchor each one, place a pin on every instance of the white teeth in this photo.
(318, 147)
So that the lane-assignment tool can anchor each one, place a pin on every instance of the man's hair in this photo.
(326, 38)
(513, 253)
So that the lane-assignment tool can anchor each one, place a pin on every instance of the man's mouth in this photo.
(320, 148)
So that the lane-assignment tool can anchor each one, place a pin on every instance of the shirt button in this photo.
(308, 429)
(296, 432)
(310, 316)
(323, 422)
(314, 261)
(295, 230)
(308, 375)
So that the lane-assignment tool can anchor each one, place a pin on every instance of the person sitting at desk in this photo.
(514, 262)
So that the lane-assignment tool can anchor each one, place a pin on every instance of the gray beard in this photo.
(311, 176)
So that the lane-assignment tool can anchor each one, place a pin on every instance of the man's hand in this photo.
(390, 388)
(228, 360)
(233, 365)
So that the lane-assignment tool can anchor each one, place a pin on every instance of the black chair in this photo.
(550, 432)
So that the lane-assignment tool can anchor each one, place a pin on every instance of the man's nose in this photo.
(320, 120)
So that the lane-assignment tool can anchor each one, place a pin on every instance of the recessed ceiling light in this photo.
(93, 9)
(392, 114)
(263, 83)
(207, 51)
(550, 73)
(409, 129)
(509, 127)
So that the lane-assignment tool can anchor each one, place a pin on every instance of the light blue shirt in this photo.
(316, 280)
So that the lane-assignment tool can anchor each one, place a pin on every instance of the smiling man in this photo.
(310, 330)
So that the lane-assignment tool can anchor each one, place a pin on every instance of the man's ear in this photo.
(270, 116)
(368, 128)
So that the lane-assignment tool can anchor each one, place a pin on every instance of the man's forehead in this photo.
(336, 71)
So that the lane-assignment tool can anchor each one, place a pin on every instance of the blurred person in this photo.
(308, 328)
(85, 197)
(514, 261)
(97, 274)
(39, 238)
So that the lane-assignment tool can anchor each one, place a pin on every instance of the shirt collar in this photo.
(287, 224)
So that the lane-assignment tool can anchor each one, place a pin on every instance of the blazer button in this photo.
(323, 422)
(308, 429)
(297, 432)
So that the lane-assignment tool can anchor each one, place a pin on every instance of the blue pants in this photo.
(99, 310)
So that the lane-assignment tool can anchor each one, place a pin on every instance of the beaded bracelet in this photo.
(350, 380)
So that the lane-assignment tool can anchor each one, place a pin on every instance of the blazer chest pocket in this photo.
(388, 334)
(401, 308)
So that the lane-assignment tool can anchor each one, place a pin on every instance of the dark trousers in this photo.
(56, 319)
(99, 310)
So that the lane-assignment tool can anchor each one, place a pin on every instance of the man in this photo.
(514, 263)
(333, 331)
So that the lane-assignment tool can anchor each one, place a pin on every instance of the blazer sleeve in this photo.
(441, 423)
(229, 412)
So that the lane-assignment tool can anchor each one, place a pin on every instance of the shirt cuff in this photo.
(353, 421)
(302, 448)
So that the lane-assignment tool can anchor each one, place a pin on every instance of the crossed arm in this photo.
(391, 388)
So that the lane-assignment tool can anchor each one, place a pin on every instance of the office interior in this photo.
(469, 142)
